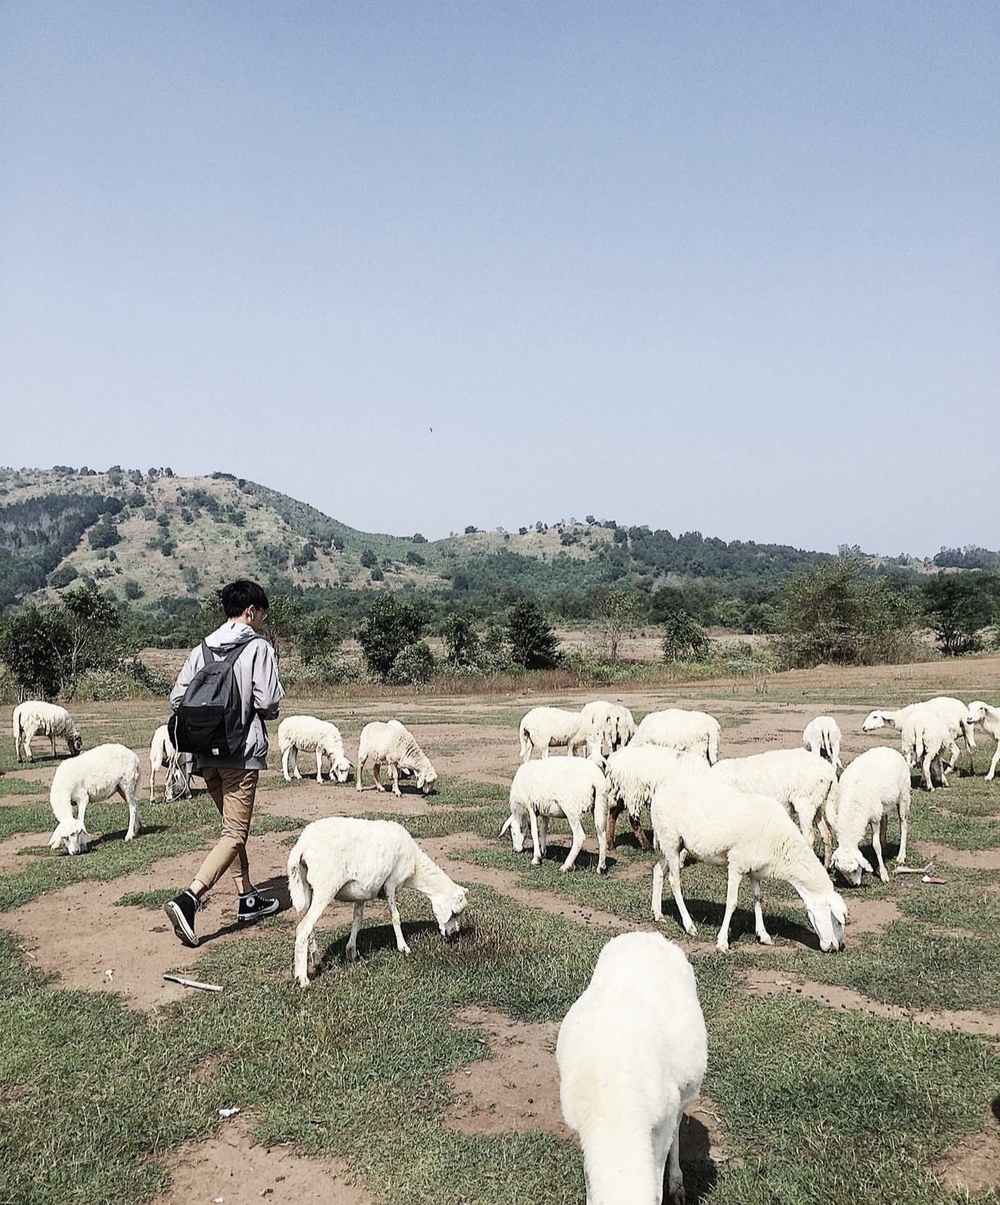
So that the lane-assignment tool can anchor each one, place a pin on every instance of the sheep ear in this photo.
(866, 864)
(506, 826)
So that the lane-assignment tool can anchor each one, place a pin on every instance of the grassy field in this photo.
(815, 1103)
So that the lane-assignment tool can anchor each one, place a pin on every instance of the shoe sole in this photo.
(249, 920)
(179, 921)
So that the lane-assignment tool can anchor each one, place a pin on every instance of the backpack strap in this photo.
(208, 655)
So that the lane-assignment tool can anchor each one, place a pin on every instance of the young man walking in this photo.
(232, 779)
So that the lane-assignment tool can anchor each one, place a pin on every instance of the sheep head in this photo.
(851, 863)
(74, 741)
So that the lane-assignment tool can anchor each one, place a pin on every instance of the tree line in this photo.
(836, 612)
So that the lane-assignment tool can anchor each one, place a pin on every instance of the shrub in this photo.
(414, 665)
(385, 631)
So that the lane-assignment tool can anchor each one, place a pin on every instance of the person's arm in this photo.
(267, 690)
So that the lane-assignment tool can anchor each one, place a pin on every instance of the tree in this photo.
(413, 666)
(958, 606)
(319, 637)
(34, 646)
(619, 611)
(683, 639)
(284, 615)
(385, 631)
(96, 636)
(830, 614)
(533, 643)
(461, 640)
(368, 559)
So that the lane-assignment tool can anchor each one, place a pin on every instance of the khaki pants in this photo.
(233, 791)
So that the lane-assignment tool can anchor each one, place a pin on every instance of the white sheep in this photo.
(633, 773)
(989, 717)
(344, 858)
(874, 783)
(392, 744)
(627, 1108)
(750, 835)
(686, 731)
(822, 736)
(923, 739)
(96, 774)
(554, 727)
(802, 783)
(307, 734)
(953, 713)
(612, 724)
(36, 718)
(177, 767)
(562, 786)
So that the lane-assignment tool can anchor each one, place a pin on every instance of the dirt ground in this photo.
(516, 1086)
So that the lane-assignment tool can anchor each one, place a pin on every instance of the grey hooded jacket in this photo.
(257, 681)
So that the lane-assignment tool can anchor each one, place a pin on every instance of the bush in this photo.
(414, 665)
(683, 639)
(387, 629)
(63, 576)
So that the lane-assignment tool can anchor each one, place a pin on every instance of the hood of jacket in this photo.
(231, 634)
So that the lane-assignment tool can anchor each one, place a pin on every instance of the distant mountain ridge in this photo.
(142, 535)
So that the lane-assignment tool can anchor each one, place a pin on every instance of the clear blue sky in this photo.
(711, 266)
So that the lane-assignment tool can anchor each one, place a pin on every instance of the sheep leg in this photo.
(579, 836)
(390, 896)
(614, 812)
(732, 895)
(133, 812)
(152, 777)
(52, 739)
(351, 953)
(925, 766)
(673, 860)
(600, 827)
(758, 912)
(536, 844)
(878, 836)
(394, 771)
(304, 944)
(377, 775)
(996, 758)
(904, 824)
(285, 759)
(675, 1180)
(543, 834)
(319, 765)
(640, 832)
(357, 777)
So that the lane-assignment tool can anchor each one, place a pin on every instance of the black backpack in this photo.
(209, 719)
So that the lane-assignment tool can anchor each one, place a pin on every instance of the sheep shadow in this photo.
(699, 1171)
(371, 939)
(707, 915)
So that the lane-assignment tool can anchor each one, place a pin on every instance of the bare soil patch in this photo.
(231, 1168)
(973, 1165)
(966, 859)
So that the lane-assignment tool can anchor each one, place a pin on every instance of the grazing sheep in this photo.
(877, 781)
(307, 734)
(822, 736)
(177, 767)
(96, 774)
(952, 713)
(612, 725)
(35, 718)
(391, 744)
(801, 782)
(561, 786)
(989, 717)
(548, 727)
(627, 1107)
(633, 773)
(686, 731)
(344, 858)
(750, 835)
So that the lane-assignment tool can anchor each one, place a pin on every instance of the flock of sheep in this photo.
(758, 816)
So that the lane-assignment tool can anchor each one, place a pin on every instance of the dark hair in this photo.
(238, 596)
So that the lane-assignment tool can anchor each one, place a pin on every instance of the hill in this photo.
(148, 535)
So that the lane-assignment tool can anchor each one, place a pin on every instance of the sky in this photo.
(705, 266)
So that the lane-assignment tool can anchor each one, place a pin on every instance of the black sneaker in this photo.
(181, 910)
(253, 906)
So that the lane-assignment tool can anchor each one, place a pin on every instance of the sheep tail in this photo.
(713, 747)
(298, 885)
(525, 743)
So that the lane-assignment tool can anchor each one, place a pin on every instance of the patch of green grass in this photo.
(145, 899)
(12, 785)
